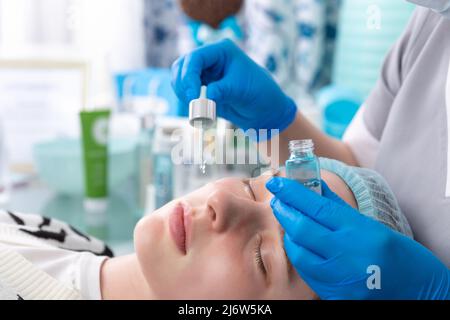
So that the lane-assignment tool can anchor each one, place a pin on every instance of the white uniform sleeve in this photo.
(366, 130)
(361, 141)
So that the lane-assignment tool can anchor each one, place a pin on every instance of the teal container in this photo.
(59, 164)
(339, 105)
(367, 31)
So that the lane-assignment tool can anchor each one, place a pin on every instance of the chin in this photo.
(155, 252)
(149, 241)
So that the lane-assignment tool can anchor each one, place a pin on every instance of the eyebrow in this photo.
(272, 173)
(247, 183)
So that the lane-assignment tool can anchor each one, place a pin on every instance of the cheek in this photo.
(153, 248)
(218, 270)
(146, 234)
(299, 290)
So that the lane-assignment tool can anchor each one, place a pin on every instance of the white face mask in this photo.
(440, 6)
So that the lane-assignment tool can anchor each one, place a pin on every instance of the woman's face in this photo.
(220, 242)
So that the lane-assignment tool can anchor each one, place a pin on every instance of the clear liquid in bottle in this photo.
(303, 165)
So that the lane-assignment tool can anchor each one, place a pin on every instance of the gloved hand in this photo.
(244, 92)
(340, 253)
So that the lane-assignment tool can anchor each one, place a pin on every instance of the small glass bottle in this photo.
(303, 165)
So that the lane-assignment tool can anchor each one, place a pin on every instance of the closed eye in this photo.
(249, 188)
(258, 256)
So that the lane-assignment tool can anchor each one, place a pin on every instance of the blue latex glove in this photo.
(245, 93)
(331, 246)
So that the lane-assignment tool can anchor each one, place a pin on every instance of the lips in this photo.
(177, 227)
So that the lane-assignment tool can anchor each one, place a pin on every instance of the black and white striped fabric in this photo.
(56, 233)
(52, 232)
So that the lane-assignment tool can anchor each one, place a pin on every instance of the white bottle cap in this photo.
(202, 111)
(95, 211)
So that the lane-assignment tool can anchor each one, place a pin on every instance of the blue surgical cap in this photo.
(373, 195)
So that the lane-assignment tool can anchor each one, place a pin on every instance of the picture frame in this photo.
(39, 100)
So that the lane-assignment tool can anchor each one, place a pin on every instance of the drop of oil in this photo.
(201, 145)
(203, 168)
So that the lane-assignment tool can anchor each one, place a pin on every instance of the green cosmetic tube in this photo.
(95, 132)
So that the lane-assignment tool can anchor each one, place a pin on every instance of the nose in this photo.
(227, 211)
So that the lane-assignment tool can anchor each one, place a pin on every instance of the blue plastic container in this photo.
(339, 106)
(140, 87)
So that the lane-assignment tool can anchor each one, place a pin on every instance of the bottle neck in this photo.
(301, 149)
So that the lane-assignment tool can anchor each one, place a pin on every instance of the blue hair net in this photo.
(373, 195)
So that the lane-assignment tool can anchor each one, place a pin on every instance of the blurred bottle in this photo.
(100, 91)
(145, 161)
(4, 181)
(147, 108)
(162, 190)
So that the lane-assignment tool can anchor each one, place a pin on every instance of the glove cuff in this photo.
(446, 295)
(443, 290)
(285, 120)
(288, 116)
